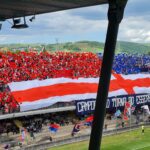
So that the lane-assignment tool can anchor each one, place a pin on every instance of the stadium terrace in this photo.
(27, 70)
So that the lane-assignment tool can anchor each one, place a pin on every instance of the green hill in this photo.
(128, 47)
(87, 46)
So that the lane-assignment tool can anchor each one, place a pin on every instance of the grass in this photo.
(133, 140)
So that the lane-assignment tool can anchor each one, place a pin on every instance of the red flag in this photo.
(90, 118)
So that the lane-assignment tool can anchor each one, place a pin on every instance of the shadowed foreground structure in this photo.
(19, 8)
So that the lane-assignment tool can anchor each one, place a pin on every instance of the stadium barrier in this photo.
(36, 112)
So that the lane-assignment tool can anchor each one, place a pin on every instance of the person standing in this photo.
(142, 129)
(50, 138)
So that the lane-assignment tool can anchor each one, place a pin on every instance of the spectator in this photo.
(142, 129)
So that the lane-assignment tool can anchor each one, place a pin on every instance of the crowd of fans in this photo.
(7, 127)
(36, 128)
(23, 66)
(7, 102)
(131, 64)
(35, 124)
(29, 129)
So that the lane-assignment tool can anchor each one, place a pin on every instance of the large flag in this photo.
(35, 94)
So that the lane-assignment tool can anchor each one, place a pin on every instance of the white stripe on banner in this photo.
(52, 100)
(136, 76)
(25, 106)
(117, 93)
(117, 88)
(24, 85)
(140, 90)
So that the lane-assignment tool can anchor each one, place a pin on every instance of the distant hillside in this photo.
(128, 47)
(87, 46)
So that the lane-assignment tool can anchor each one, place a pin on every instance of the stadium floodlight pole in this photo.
(115, 15)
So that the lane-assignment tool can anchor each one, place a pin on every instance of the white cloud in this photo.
(135, 29)
(55, 25)
(66, 24)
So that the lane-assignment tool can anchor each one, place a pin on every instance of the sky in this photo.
(88, 23)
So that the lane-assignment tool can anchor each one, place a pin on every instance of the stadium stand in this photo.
(23, 66)
(7, 103)
(131, 64)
